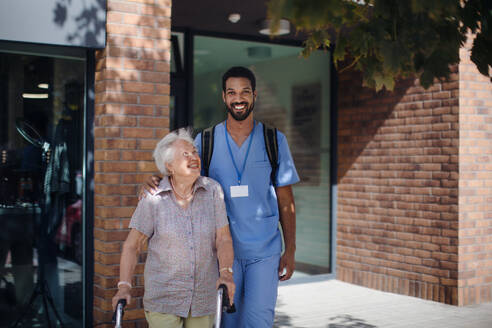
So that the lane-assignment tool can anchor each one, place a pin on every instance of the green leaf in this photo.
(391, 38)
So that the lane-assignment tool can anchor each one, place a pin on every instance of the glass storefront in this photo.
(294, 96)
(177, 99)
(41, 185)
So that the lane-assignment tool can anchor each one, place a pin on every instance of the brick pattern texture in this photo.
(132, 114)
(475, 184)
(415, 187)
(397, 227)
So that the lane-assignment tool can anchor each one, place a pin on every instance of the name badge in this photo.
(239, 191)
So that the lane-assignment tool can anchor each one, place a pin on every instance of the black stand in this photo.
(41, 288)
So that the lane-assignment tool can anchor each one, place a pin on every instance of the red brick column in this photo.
(398, 188)
(475, 197)
(132, 97)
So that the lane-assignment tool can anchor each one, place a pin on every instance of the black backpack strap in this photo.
(207, 148)
(271, 146)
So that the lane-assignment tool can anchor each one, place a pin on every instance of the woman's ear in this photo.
(169, 168)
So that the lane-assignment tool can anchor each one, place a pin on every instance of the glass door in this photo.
(294, 96)
(41, 184)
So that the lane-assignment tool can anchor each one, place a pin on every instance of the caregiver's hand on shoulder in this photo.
(149, 186)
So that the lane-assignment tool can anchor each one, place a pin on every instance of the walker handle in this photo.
(225, 300)
(118, 313)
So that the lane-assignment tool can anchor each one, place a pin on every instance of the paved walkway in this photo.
(335, 304)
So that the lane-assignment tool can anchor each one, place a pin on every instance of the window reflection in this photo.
(41, 119)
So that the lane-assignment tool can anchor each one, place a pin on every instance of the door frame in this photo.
(186, 116)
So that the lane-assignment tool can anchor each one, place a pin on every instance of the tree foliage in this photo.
(387, 39)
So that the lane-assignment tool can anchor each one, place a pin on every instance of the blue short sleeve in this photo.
(287, 173)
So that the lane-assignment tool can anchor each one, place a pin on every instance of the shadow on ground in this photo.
(339, 321)
(281, 319)
(348, 321)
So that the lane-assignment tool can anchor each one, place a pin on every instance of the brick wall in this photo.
(398, 188)
(132, 97)
(475, 196)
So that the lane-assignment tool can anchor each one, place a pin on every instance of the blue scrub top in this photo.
(254, 219)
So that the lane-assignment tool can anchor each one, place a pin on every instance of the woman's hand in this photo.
(123, 292)
(226, 279)
(150, 185)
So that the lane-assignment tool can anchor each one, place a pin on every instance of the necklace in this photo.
(186, 197)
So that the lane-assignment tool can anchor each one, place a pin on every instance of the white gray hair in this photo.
(164, 151)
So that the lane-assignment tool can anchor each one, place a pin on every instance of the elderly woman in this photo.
(189, 244)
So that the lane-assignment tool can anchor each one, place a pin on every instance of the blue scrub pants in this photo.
(256, 293)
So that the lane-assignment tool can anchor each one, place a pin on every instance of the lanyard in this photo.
(239, 173)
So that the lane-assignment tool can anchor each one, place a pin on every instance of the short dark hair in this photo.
(239, 71)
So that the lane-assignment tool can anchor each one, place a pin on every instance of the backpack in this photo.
(271, 146)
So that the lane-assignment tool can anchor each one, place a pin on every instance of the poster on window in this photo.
(306, 134)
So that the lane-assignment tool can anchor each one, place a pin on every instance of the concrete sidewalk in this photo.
(335, 304)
